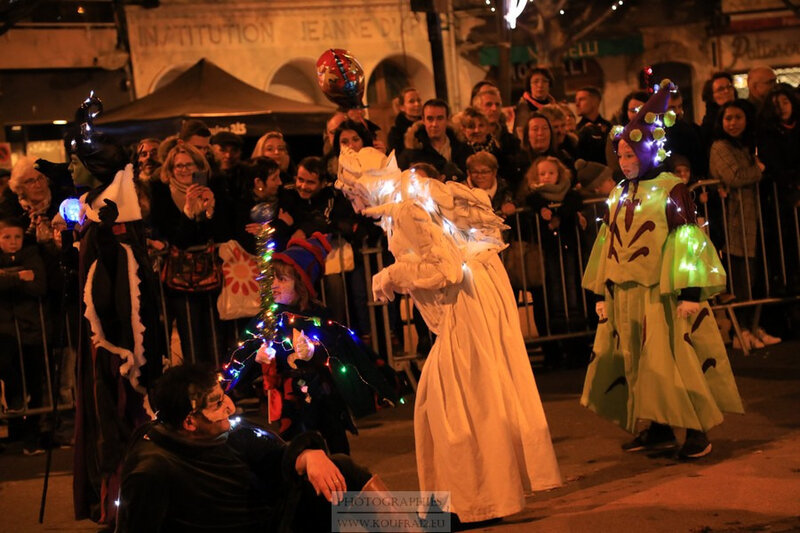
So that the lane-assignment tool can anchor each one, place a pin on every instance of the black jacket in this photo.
(779, 150)
(234, 483)
(419, 150)
(172, 225)
(20, 299)
(396, 138)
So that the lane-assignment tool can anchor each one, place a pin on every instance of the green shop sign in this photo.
(631, 45)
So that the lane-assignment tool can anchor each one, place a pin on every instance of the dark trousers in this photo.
(11, 372)
(308, 512)
(196, 318)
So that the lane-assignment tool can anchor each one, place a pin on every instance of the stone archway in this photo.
(296, 80)
(387, 79)
(167, 76)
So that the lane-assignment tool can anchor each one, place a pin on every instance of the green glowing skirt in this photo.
(649, 364)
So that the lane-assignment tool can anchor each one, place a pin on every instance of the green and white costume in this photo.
(647, 363)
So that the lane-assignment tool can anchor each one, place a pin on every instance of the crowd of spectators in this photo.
(539, 163)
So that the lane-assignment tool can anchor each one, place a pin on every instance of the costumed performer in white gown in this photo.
(479, 426)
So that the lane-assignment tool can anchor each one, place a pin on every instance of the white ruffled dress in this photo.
(480, 429)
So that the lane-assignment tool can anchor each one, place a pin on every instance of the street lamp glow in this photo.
(515, 9)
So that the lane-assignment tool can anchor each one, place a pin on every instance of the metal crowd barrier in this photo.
(770, 275)
(66, 355)
(773, 281)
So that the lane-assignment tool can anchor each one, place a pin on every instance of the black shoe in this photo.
(457, 525)
(695, 446)
(655, 437)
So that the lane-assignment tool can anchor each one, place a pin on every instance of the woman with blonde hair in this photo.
(273, 145)
(183, 214)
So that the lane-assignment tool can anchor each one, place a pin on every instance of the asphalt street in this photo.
(750, 482)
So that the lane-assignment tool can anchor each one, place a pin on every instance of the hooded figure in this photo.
(119, 355)
(658, 355)
(480, 430)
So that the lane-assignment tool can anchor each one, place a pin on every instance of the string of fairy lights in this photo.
(271, 321)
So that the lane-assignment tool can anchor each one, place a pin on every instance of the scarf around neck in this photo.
(553, 192)
(38, 208)
(535, 102)
(178, 192)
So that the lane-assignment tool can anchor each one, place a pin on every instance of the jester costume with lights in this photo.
(317, 376)
(647, 362)
(480, 430)
(119, 354)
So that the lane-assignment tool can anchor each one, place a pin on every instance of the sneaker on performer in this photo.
(766, 338)
(656, 437)
(695, 446)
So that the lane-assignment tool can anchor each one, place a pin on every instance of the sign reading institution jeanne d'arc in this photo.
(249, 39)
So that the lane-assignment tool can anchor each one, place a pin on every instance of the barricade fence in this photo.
(35, 374)
(756, 234)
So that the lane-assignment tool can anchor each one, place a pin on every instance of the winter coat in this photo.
(525, 108)
(20, 299)
(419, 150)
(566, 214)
(779, 150)
(592, 135)
(506, 150)
(173, 225)
(396, 137)
(328, 211)
(736, 168)
(684, 138)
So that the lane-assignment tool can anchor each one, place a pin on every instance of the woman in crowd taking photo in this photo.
(183, 214)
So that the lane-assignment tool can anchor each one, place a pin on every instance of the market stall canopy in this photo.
(223, 101)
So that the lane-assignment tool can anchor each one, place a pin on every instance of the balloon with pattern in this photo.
(341, 78)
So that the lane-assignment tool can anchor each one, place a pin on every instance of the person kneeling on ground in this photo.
(190, 470)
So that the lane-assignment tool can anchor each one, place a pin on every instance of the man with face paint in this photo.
(189, 470)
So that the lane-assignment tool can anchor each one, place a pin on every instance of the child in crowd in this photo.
(657, 355)
(681, 168)
(22, 283)
(594, 180)
(555, 211)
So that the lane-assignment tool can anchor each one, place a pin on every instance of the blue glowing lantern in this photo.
(70, 211)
